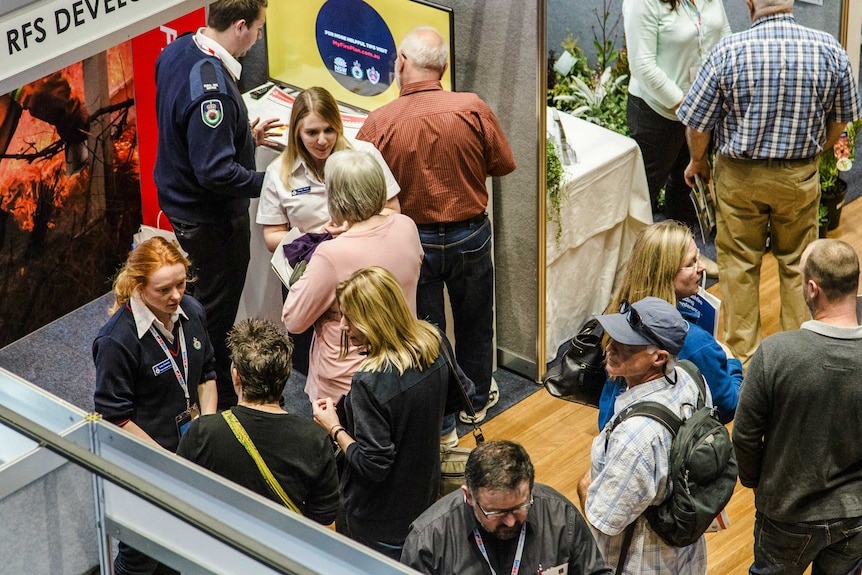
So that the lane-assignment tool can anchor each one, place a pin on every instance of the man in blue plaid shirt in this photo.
(776, 96)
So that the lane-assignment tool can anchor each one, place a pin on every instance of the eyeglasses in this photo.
(696, 262)
(504, 512)
(634, 319)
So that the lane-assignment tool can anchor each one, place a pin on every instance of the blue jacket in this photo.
(723, 375)
(205, 167)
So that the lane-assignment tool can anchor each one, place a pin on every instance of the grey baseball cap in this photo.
(654, 322)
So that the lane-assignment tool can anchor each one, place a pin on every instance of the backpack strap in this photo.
(624, 549)
(659, 412)
(698, 378)
(651, 409)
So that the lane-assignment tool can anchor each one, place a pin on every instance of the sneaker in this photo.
(481, 414)
(449, 441)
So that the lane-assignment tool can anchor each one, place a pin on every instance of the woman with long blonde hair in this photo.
(389, 430)
(294, 187)
(666, 263)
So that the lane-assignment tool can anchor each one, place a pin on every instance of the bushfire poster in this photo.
(70, 196)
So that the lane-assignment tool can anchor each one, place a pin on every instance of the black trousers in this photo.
(220, 254)
(665, 154)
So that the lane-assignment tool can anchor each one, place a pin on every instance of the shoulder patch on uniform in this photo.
(212, 113)
(206, 77)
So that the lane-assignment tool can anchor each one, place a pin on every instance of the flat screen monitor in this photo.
(348, 47)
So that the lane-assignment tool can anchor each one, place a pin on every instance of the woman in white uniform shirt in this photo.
(667, 42)
(294, 191)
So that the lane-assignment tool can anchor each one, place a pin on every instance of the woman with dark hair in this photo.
(392, 414)
(296, 453)
(155, 369)
(356, 192)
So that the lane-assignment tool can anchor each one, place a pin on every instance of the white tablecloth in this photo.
(606, 204)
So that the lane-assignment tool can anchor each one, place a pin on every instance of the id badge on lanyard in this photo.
(191, 412)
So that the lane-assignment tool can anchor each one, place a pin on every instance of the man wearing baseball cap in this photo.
(630, 465)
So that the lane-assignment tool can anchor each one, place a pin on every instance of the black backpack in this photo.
(702, 467)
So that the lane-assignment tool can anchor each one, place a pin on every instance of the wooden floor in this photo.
(558, 434)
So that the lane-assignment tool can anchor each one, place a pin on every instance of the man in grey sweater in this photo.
(798, 427)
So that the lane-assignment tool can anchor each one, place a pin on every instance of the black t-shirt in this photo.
(296, 450)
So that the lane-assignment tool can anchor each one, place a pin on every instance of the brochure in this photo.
(701, 198)
(708, 306)
(279, 263)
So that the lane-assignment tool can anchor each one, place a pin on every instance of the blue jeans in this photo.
(833, 546)
(459, 256)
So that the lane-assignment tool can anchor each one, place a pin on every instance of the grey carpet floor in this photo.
(58, 358)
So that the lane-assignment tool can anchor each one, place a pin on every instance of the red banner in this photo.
(145, 50)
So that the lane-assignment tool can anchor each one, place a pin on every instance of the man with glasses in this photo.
(630, 458)
(502, 522)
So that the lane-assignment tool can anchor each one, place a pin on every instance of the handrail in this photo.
(152, 494)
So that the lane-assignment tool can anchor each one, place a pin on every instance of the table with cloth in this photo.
(605, 204)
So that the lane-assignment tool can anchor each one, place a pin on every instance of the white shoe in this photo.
(450, 440)
(493, 399)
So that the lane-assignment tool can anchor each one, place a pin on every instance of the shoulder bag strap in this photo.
(245, 441)
(468, 405)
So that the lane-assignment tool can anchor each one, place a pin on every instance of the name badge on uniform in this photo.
(162, 367)
(300, 191)
(558, 570)
(692, 73)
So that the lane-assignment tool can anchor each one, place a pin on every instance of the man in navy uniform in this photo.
(205, 167)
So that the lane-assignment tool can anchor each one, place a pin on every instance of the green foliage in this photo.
(596, 95)
(829, 172)
(554, 188)
(605, 46)
(822, 216)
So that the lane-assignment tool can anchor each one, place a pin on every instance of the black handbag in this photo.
(580, 376)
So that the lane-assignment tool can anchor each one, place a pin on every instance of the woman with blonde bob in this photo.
(356, 192)
(155, 369)
(389, 430)
(665, 263)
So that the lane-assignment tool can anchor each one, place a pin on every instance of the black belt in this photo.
(443, 226)
(775, 161)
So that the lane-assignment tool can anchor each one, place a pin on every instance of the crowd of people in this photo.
(397, 214)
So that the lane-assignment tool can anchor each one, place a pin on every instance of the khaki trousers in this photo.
(755, 198)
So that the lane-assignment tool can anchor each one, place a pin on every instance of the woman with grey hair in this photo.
(356, 194)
